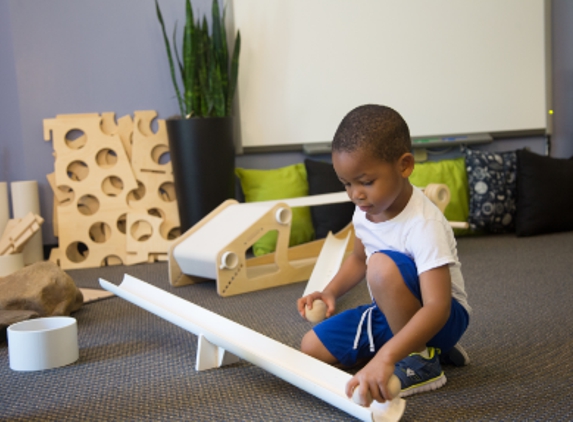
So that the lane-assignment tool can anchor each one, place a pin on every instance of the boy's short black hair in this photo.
(377, 129)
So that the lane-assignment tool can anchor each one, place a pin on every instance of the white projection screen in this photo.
(448, 66)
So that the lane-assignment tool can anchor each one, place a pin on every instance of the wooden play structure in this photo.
(216, 247)
(114, 200)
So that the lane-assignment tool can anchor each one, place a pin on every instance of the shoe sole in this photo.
(431, 385)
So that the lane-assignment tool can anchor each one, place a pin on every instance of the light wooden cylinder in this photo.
(4, 209)
(25, 199)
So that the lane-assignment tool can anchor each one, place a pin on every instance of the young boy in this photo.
(406, 249)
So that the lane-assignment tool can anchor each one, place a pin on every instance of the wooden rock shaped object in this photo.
(41, 287)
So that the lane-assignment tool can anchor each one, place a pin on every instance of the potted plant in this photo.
(201, 138)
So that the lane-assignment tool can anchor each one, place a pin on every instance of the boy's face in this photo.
(379, 188)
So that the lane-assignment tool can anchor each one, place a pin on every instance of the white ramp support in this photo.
(309, 374)
(327, 264)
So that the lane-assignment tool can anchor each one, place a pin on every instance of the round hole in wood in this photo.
(106, 158)
(141, 230)
(77, 252)
(75, 138)
(112, 186)
(100, 232)
(77, 171)
(88, 205)
(167, 192)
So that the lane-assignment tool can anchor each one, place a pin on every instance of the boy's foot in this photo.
(418, 374)
(457, 356)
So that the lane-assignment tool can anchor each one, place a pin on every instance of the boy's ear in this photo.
(406, 163)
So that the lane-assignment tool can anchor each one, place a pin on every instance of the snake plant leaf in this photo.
(208, 79)
(170, 58)
(218, 96)
(234, 73)
(180, 64)
(220, 44)
(188, 58)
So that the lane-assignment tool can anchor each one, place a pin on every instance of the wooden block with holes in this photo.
(155, 194)
(94, 174)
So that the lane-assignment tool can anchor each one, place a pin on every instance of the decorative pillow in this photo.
(332, 217)
(453, 174)
(544, 198)
(492, 190)
(281, 183)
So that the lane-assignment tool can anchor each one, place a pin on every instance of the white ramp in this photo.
(327, 264)
(309, 374)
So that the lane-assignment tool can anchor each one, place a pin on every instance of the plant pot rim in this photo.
(179, 118)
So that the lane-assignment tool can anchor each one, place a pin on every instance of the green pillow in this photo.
(281, 183)
(452, 173)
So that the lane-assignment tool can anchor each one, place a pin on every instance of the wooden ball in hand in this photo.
(317, 313)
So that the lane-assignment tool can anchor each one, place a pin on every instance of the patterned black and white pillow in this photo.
(492, 189)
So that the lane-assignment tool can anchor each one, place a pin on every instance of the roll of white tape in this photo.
(43, 343)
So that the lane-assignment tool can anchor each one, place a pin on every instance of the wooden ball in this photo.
(394, 386)
(317, 313)
(356, 398)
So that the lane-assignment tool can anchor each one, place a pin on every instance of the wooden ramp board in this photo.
(305, 372)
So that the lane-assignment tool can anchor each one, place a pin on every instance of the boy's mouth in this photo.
(365, 208)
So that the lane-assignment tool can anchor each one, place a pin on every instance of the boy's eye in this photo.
(368, 183)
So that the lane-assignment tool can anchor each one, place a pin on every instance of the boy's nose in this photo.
(357, 195)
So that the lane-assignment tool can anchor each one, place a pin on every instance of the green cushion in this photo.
(452, 173)
(281, 183)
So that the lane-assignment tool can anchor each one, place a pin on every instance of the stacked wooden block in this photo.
(114, 198)
(17, 233)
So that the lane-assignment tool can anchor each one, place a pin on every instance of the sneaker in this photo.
(457, 356)
(418, 374)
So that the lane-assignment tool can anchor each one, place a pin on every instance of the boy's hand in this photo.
(306, 301)
(372, 383)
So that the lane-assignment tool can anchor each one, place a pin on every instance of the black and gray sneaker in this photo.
(456, 356)
(418, 374)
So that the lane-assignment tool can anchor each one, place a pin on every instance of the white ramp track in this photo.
(293, 366)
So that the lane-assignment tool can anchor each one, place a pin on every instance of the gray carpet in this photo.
(135, 366)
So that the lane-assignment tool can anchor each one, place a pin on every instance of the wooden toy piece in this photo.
(155, 194)
(394, 386)
(123, 128)
(93, 171)
(439, 194)
(215, 248)
(144, 239)
(18, 232)
(318, 378)
(317, 313)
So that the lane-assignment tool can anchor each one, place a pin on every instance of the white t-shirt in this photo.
(421, 232)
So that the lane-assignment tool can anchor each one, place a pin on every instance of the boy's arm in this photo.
(351, 272)
(435, 286)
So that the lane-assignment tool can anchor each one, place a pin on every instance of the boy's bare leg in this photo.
(392, 296)
(311, 345)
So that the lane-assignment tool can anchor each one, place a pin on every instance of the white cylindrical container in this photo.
(11, 263)
(4, 208)
(25, 199)
(43, 343)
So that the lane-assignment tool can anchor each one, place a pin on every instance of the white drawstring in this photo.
(367, 312)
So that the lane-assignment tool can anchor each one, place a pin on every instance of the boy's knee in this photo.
(383, 273)
(312, 346)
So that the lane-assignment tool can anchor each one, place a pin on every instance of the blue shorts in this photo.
(338, 333)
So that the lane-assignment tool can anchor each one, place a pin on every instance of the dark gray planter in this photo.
(203, 158)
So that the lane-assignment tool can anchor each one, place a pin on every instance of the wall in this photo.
(69, 56)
